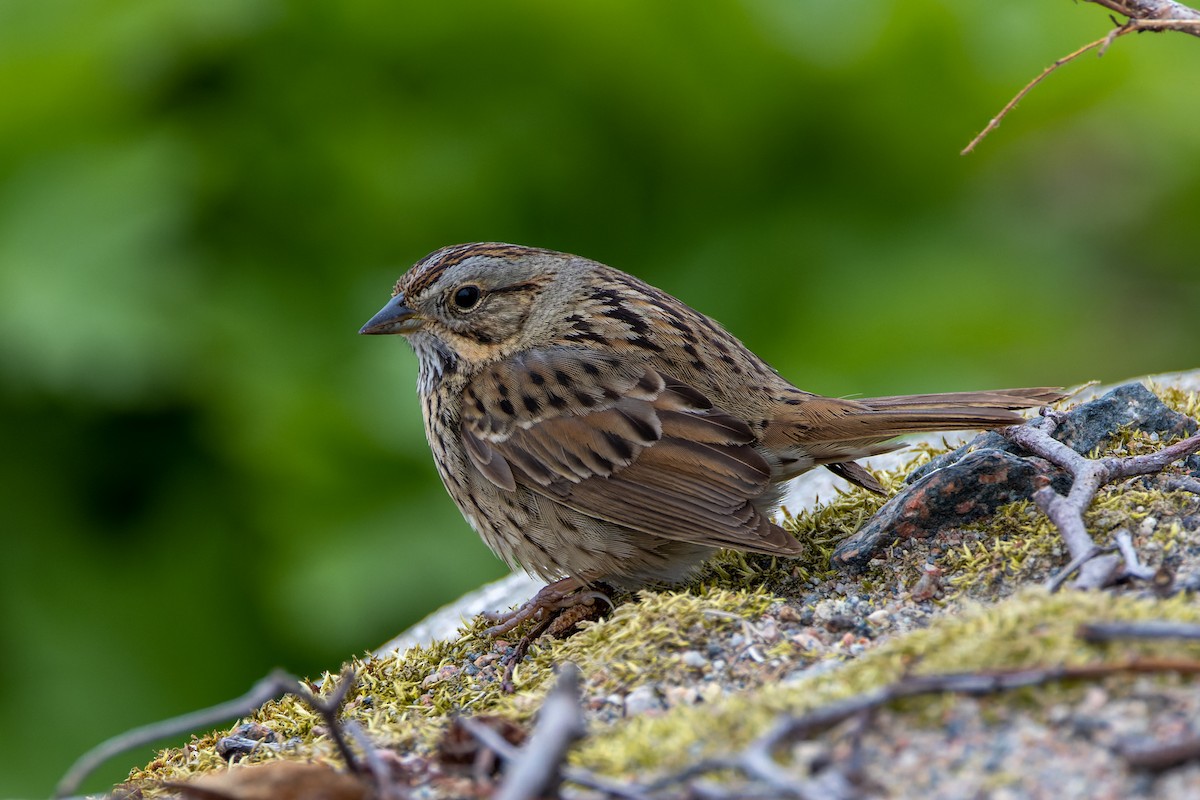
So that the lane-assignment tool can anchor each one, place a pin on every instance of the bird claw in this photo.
(551, 609)
(550, 599)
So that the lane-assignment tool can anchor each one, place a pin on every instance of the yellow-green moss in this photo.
(1016, 542)
(406, 700)
(1180, 400)
(1030, 629)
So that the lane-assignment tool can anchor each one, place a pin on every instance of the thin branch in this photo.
(384, 784)
(1147, 629)
(1026, 89)
(1143, 15)
(1151, 10)
(272, 686)
(538, 770)
(494, 741)
(1182, 483)
(1134, 568)
(1058, 579)
(1089, 475)
(328, 709)
(757, 760)
(1158, 757)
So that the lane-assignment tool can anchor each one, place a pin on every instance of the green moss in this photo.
(407, 700)
(1015, 545)
(640, 642)
(1180, 400)
(1030, 629)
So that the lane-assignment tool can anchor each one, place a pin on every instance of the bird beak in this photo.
(395, 317)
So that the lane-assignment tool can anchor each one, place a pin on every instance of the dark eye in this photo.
(467, 297)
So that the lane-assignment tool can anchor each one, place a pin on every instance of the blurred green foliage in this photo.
(206, 473)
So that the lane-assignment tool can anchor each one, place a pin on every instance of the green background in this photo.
(206, 473)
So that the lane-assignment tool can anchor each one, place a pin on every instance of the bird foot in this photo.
(556, 608)
(550, 599)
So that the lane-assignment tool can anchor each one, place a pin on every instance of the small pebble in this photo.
(789, 614)
(642, 700)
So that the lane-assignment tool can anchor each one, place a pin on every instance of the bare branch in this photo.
(1090, 474)
(1143, 15)
(1026, 89)
(1153, 10)
(270, 687)
(1134, 568)
(328, 710)
(757, 761)
(1058, 579)
(537, 770)
(1146, 629)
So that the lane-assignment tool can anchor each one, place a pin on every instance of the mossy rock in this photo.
(674, 676)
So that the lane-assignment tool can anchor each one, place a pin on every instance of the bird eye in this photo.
(467, 297)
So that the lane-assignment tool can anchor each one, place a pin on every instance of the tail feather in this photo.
(923, 413)
(894, 422)
(833, 433)
(1002, 398)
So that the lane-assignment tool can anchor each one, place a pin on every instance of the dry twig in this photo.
(1148, 629)
(1182, 483)
(1156, 757)
(1090, 474)
(1056, 581)
(538, 771)
(273, 685)
(538, 767)
(374, 771)
(1134, 568)
(757, 761)
(1142, 15)
(327, 710)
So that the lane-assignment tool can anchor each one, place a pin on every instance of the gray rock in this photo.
(642, 700)
(972, 482)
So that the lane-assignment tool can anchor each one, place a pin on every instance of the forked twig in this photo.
(274, 685)
(1145, 629)
(1089, 476)
(1142, 15)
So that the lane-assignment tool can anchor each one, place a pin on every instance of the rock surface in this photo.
(974, 481)
(674, 677)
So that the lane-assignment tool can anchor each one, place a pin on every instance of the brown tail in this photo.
(1000, 398)
(835, 432)
(913, 413)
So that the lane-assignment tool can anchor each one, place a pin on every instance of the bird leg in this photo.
(556, 608)
(550, 599)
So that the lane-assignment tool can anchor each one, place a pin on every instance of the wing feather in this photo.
(618, 441)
